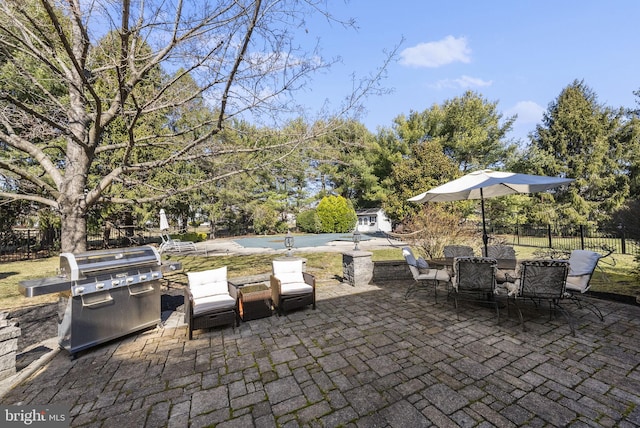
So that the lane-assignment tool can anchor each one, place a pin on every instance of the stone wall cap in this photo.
(358, 253)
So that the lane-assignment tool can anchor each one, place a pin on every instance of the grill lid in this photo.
(93, 263)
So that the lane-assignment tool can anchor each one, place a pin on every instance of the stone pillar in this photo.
(357, 267)
(9, 335)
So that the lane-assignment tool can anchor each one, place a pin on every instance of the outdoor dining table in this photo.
(502, 264)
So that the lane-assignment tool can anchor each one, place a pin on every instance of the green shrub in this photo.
(265, 219)
(282, 227)
(308, 221)
(336, 214)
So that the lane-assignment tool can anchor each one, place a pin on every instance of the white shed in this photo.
(373, 220)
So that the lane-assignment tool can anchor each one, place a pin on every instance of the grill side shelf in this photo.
(42, 286)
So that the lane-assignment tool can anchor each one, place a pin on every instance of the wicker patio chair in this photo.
(291, 288)
(210, 300)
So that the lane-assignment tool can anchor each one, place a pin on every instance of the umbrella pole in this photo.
(485, 237)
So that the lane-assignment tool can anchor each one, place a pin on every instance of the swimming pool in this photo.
(276, 242)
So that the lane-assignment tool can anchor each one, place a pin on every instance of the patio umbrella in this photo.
(164, 223)
(489, 184)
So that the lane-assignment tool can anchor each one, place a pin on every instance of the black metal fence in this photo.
(570, 238)
(26, 244)
(32, 243)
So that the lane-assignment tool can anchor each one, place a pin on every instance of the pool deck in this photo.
(275, 245)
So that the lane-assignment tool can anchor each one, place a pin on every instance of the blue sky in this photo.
(518, 53)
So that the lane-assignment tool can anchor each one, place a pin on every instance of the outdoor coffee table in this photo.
(254, 301)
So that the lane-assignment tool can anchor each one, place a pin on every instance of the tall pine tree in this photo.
(578, 139)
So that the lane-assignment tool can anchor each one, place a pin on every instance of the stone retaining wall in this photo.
(383, 271)
(9, 334)
(391, 270)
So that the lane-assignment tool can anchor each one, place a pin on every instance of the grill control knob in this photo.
(115, 282)
(143, 277)
(130, 280)
(100, 286)
(79, 290)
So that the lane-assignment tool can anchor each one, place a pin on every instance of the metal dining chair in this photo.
(582, 265)
(425, 277)
(458, 251)
(475, 280)
(502, 252)
(543, 280)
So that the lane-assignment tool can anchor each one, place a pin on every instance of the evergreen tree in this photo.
(439, 144)
(578, 138)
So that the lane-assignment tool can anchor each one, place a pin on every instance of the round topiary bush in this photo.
(336, 214)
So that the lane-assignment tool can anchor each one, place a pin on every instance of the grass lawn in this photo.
(614, 275)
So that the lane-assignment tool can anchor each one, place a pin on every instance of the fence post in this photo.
(549, 235)
(582, 237)
(28, 244)
(623, 241)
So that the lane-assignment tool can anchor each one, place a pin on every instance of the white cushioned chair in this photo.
(291, 287)
(424, 277)
(210, 300)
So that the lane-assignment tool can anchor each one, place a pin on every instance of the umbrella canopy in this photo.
(164, 223)
(489, 184)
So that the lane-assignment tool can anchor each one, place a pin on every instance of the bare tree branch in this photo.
(154, 92)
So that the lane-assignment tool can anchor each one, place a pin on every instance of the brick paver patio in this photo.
(364, 358)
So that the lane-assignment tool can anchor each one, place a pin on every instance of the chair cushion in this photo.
(295, 288)
(578, 283)
(208, 283)
(437, 274)
(513, 288)
(290, 277)
(286, 266)
(213, 303)
(409, 257)
(505, 275)
(583, 262)
(422, 263)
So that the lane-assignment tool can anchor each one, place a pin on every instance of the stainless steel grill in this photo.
(107, 294)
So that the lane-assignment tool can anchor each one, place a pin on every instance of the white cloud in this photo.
(462, 82)
(527, 111)
(436, 54)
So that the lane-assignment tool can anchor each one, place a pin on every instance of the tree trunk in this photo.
(73, 227)
(73, 202)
